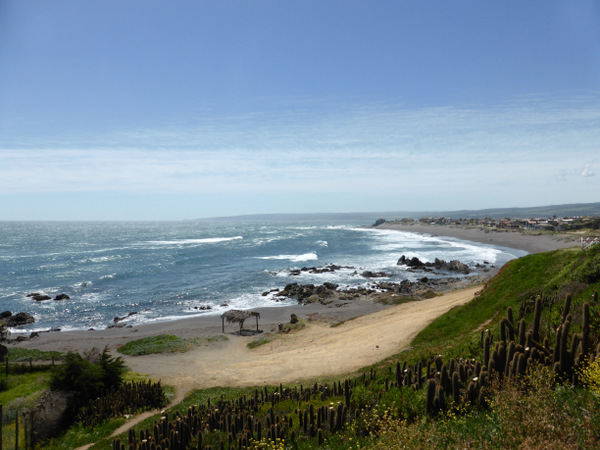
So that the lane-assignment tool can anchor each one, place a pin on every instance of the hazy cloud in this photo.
(511, 151)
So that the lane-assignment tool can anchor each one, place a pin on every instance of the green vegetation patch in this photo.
(23, 390)
(258, 342)
(24, 355)
(552, 276)
(164, 343)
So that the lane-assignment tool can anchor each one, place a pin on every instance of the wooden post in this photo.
(17, 430)
(256, 323)
(0, 427)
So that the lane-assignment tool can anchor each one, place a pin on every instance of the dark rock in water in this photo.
(439, 264)
(5, 314)
(39, 297)
(318, 270)
(34, 334)
(308, 293)
(15, 320)
(118, 319)
(369, 274)
(62, 297)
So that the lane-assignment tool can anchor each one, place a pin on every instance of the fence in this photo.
(588, 241)
(16, 430)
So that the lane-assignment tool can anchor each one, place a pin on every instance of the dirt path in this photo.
(317, 350)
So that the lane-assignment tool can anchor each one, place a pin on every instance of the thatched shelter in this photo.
(236, 315)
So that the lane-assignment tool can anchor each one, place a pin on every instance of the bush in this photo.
(85, 378)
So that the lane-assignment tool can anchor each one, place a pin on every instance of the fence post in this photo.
(1, 423)
(17, 430)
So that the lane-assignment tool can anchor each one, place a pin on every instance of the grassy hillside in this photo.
(551, 276)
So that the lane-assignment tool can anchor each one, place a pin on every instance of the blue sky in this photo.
(143, 110)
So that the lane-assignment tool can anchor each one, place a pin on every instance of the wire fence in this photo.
(17, 430)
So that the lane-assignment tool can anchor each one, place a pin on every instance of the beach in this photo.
(366, 332)
(531, 242)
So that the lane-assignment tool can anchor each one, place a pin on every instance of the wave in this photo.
(195, 241)
(293, 258)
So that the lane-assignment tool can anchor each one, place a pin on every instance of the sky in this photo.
(171, 110)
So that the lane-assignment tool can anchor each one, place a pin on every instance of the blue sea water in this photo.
(171, 270)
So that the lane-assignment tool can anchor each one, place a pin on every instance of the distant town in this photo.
(550, 224)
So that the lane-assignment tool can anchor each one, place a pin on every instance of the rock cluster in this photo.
(329, 292)
(38, 297)
(11, 320)
(439, 264)
(317, 270)
(308, 293)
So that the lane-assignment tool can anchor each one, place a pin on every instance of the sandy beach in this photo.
(530, 242)
(374, 332)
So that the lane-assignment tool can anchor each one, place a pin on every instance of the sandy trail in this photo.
(316, 350)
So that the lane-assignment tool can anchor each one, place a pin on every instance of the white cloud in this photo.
(588, 171)
(508, 151)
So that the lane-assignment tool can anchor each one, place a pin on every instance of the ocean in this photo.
(165, 271)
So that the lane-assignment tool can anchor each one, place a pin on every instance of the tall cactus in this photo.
(536, 319)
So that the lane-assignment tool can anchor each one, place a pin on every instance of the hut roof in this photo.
(236, 315)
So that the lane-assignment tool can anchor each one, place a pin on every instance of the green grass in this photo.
(552, 275)
(24, 355)
(258, 342)
(79, 435)
(24, 389)
(164, 343)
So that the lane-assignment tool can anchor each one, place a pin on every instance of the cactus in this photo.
(536, 319)
(566, 308)
(585, 329)
(522, 332)
(455, 388)
(430, 396)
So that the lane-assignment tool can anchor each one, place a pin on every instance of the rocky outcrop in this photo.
(308, 293)
(38, 297)
(317, 270)
(439, 264)
(327, 293)
(370, 274)
(118, 319)
(14, 320)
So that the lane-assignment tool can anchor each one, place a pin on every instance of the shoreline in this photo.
(270, 317)
(531, 243)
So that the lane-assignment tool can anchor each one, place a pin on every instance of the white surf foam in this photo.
(293, 258)
(195, 241)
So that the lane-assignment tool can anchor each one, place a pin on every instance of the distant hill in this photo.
(569, 210)
(573, 209)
